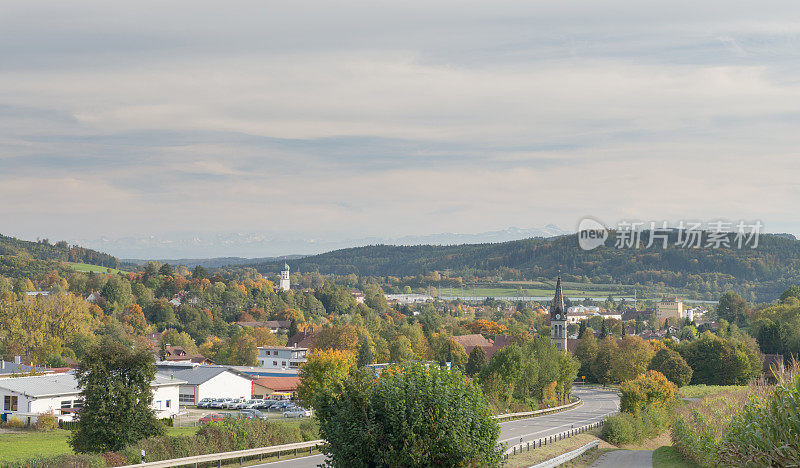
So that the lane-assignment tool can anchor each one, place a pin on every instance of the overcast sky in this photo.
(394, 118)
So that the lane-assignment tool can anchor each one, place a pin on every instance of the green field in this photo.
(513, 292)
(85, 267)
(28, 444)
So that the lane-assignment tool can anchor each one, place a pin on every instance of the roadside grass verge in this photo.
(555, 449)
(668, 457)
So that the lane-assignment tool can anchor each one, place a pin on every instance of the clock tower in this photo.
(558, 319)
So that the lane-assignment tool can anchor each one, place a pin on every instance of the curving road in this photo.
(596, 404)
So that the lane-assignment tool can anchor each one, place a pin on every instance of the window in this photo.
(275, 363)
(186, 398)
(10, 403)
(169, 403)
(66, 404)
(77, 404)
(283, 363)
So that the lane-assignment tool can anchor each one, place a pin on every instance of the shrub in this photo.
(115, 459)
(46, 422)
(224, 436)
(14, 423)
(627, 428)
(619, 429)
(650, 388)
(60, 461)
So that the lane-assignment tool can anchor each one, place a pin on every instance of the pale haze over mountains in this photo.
(253, 245)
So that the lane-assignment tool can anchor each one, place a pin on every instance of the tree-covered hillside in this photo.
(60, 252)
(761, 273)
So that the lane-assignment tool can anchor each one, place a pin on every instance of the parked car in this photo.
(297, 413)
(265, 404)
(254, 413)
(279, 405)
(252, 403)
(209, 418)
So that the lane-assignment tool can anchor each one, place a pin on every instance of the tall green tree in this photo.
(672, 365)
(115, 383)
(365, 357)
(476, 361)
(733, 308)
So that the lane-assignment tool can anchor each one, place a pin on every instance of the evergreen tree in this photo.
(115, 382)
(293, 329)
(365, 354)
(603, 330)
(581, 329)
(477, 361)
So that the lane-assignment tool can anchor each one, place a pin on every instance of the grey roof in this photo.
(59, 384)
(14, 368)
(196, 374)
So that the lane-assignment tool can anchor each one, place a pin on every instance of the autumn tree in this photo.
(322, 372)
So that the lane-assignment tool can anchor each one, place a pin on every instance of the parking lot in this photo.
(190, 415)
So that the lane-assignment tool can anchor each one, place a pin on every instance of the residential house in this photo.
(281, 357)
(179, 354)
(303, 339)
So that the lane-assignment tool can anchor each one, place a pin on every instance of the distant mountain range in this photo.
(230, 248)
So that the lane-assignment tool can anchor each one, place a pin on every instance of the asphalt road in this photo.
(625, 459)
(596, 404)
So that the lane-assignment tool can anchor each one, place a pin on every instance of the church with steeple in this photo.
(558, 319)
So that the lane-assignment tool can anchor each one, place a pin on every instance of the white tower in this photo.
(285, 282)
(558, 319)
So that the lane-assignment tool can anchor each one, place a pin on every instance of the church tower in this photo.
(285, 283)
(558, 319)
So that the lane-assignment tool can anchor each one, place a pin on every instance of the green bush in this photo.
(68, 425)
(224, 436)
(60, 461)
(619, 429)
(626, 428)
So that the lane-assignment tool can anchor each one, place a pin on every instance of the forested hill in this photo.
(762, 272)
(60, 252)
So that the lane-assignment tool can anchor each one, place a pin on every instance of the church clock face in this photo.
(558, 316)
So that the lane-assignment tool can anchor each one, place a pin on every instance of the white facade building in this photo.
(281, 357)
(25, 398)
(286, 283)
(199, 381)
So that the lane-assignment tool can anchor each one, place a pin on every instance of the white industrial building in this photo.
(25, 398)
(200, 382)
